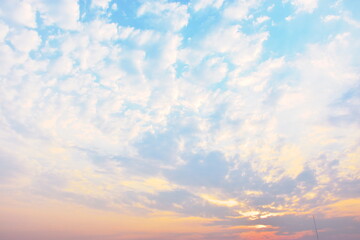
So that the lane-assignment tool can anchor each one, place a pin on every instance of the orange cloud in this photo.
(343, 208)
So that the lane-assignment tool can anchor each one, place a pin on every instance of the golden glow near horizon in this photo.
(179, 119)
(226, 203)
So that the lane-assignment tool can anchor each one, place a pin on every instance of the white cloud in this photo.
(168, 54)
(289, 18)
(335, 57)
(239, 10)
(95, 105)
(4, 29)
(270, 8)
(62, 13)
(200, 4)
(242, 49)
(351, 21)
(285, 112)
(102, 31)
(305, 5)
(7, 59)
(210, 71)
(343, 14)
(259, 76)
(325, 74)
(261, 19)
(171, 14)
(23, 12)
(25, 40)
(114, 6)
(100, 3)
(62, 66)
(329, 18)
(145, 37)
(92, 56)
(72, 42)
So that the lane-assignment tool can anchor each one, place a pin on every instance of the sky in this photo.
(179, 119)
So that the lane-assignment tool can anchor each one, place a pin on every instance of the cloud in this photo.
(171, 15)
(239, 9)
(262, 19)
(329, 18)
(100, 3)
(259, 77)
(342, 16)
(211, 70)
(63, 13)
(22, 13)
(4, 29)
(7, 58)
(305, 5)
(201, 4)
(242, 49)
(158, 115)
(349, 167)
(102, 31)
(25, 40)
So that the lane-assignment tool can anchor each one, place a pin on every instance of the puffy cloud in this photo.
(305, 5)
(172, 15)
(241, 49)
(100, 3)
(99, 31)
(259, 77)
(221, 48)
(210, 123)
(209, 71)
(261, 19)
(8, 58)
(25, 40)
(22, 13)
(64, 13)
(349, 167)
(4, 29)
(114, 6)
(62, 66)
(200, 4)
(239, 9)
